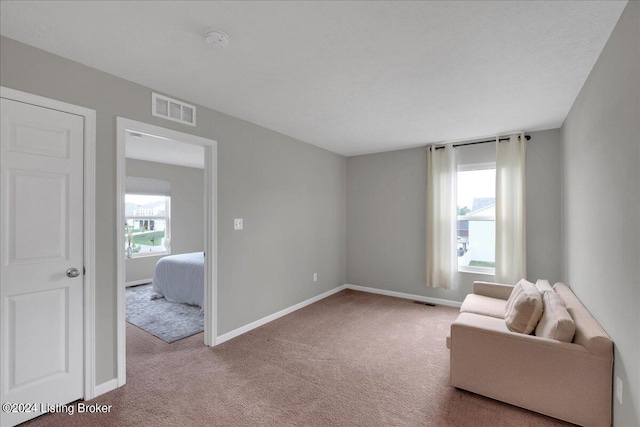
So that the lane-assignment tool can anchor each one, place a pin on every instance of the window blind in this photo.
(147, 186)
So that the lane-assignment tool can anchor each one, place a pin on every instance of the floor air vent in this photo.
(172, 109)
(424, 303)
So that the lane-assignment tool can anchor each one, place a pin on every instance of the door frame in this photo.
(210, 229)
(89, 216)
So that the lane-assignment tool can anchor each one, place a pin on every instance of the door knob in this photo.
(73, 272)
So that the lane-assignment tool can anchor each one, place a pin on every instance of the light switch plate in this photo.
(237, 224)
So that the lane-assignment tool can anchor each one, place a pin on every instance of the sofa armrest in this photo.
(493, 290)
(563, 380)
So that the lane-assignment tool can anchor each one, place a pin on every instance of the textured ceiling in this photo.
(351, 77)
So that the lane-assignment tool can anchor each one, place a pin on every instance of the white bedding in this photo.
(180, 278)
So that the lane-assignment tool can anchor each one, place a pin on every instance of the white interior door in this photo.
(41, 258)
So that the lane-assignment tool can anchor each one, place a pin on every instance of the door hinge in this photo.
(84, 271)
(205, 254)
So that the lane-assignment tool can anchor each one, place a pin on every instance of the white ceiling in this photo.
(352, 77)
(162, 150)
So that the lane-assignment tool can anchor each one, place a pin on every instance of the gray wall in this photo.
(297, 199)
(386, 204)
(187, 211)
(601, 162)
(291, 195)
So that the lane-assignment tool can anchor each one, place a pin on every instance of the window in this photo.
(147, 225)
(476, 203)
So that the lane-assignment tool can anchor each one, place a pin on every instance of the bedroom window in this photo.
(476, 205)
(148, 225)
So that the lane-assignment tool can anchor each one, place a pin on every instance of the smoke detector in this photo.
(217, 39)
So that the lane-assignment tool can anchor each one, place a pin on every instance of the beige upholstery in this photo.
(493, 290)
(543, 286)
(487, 306)
(524, 308)
(588, 332)
(555, 323)
(569, 381)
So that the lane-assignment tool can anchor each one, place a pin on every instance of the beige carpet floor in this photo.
(353, 359)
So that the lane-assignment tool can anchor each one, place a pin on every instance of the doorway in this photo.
(160, 225)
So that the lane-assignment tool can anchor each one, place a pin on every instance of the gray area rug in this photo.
(166, 320)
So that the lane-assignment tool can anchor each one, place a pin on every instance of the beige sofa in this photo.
(570, 381)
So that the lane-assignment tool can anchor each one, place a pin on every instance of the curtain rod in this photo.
(439, 147)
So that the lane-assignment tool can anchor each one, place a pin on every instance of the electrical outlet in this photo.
(315, 277)
(619, 389)
(237, 223)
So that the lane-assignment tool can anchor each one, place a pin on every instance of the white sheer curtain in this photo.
(511, 254)
(442, 260)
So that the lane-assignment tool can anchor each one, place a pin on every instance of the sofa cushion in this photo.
(555, 323)
(524, 308)
(486, 306)
(543, 286)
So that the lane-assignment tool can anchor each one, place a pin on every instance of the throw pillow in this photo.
(543, 286)
(514, 293)
(556, 322)
(517, 289)
(524, 308)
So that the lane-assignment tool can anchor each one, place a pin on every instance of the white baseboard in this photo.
(105, 387)
(246, 328)
(405, 296)
(138, 282)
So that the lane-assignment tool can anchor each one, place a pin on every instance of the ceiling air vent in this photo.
(172, 109)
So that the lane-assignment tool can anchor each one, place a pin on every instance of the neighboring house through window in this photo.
(476, 210)
(148, 217)
(148, 225)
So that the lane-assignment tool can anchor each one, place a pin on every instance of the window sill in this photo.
(485, 271)
(149, 255)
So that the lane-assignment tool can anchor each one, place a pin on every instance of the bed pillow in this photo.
(543, 286)
(556, 322)
(524, 308)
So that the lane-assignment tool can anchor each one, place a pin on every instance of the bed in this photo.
(180, 278)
